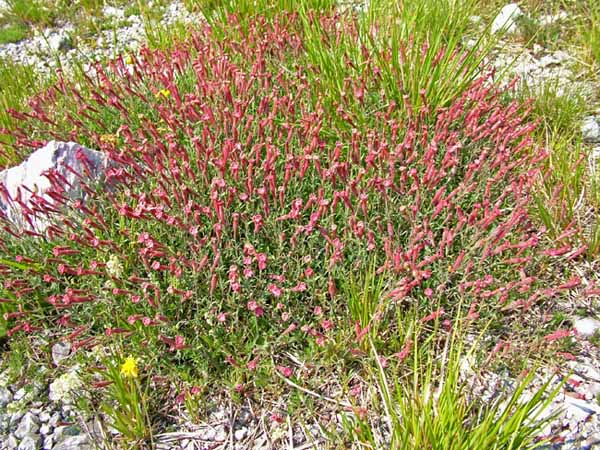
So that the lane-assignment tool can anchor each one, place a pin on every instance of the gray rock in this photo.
(16, 417)
(31, 174)
(113, 13)
(60, 352)
(240, 434)
(209, 434)
(79, 442)
(45, 429)
(44, 416)
(11, 442)
(54, 419)
(220, 434)
(48, 442)
(30, 442)
(580, 410)
(5, 396)
(590, 129)
(20, 394)
(59, 41)
(29, 424)
(506, 20)
(586, 327)
(4, 423)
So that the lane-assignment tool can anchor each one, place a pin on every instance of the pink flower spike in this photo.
(558, 334)
(285, 371)
(253, 363)
(434, 315)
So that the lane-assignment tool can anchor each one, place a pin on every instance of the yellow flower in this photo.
(164, 93)
(129, 367)
(128, 60)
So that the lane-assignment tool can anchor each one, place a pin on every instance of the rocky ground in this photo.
(39, 416)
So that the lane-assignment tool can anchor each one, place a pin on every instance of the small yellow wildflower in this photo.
(128, 60)
(129, 368)
(164, 93)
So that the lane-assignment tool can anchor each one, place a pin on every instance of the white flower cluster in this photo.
(114, 267)
(62, 388)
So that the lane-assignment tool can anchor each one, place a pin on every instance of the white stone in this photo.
(11, 442)
(29, 424)
(549, 19)
(586, 327)
(48, 442)
(579, 410)
(20, 394)
(30, 442)
(240, 434)
(79, 442)
(5, 396)
(590, 130)
(112, 12)
(31, 174)
(506, 20)
(60, 351)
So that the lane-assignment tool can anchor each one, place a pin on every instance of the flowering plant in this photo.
(126, 401)
(239, 203)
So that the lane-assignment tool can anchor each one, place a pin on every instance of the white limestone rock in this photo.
(60, 351)
(31, 176)
(590, 128)
(30, 442)
(28, 425)
(507, 19)
(586, 327)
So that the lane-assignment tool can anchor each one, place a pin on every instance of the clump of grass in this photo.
(433, 402)
(589, 30)
(558, 105)
(30, 12)
(12, 32)
(16, 85)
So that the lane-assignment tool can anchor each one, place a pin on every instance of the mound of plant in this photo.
(238, 205)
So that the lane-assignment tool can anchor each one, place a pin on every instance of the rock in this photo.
(209, 434)
(5, 396)
(113, 13)
(45, 429)
(506, 20)
(44, 416)
(220, 435)
(579, 410)
(550, 19)
(586, 327)
(60, 351)
(16, 417)
(54, 419)
(79, 442)
(48, 442)
(11, 442)
(590, 129)
(20, 394)
(240, 434)
(59, 41)
(29, 424)
(31, 174)
(4, 423)
(30, 442)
